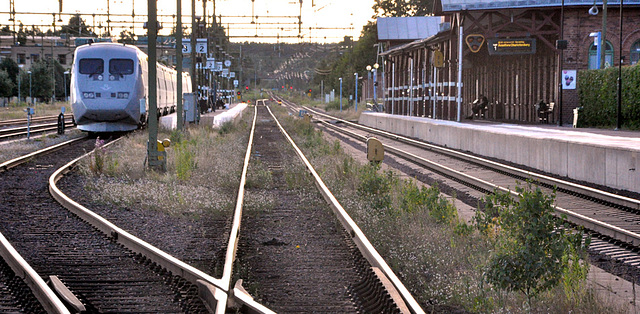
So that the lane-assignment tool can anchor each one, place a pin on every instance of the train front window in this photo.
(91, 66)
(120, 66)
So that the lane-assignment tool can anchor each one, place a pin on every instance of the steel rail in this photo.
(238, 293)
(559, 183)
(359, 238)
(33, 119)
(45, 295)
(211, 290)
(22, 159)
(22, 131)
(578, 219)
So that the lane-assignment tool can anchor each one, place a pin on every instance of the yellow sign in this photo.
(474, 42)
(438, 59)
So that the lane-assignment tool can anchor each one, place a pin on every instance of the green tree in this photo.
(127, 37)
(41, 77)
(349, 62)
(396, 8)
(6, 85)
(22, 35)
(77, 27)
(12, 69)
(534, 249)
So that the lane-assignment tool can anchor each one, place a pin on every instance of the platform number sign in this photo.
(186, 48)
(201, 47)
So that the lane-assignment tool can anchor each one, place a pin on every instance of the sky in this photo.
(271, 18)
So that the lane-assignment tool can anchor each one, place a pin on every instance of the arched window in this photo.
(593, 56)
(635, 52)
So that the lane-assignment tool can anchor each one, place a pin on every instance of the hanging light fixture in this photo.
(594, 9)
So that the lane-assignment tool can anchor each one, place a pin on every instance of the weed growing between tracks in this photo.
(441, 260)
(201, 177)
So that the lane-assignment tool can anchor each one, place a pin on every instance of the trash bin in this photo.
(576, 112)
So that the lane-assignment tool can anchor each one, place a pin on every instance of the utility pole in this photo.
(152, 31)
(53, 68)
(194, 84)
(179, 65)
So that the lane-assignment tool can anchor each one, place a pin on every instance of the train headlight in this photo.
(123, 95)
(100, 77)
(112, 78)
(88, 95)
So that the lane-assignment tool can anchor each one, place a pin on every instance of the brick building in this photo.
(509, 55)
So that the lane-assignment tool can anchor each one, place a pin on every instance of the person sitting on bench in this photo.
(478, 105)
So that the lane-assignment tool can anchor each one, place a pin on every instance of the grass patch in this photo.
(201, 177)
(16, 110)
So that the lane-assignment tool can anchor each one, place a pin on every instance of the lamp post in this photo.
(340, 94)
(619, 113)
(368, 78)
(375, 74)
(356, 98)
(30, 96)
(65, 85)
(19, 96)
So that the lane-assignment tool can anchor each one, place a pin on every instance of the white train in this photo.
(109, 88)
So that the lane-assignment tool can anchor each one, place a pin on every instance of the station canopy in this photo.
(461, 5)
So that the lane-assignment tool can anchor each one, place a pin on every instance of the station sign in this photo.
(474, 42)
(511, 46)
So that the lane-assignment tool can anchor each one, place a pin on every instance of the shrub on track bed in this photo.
(444, 262)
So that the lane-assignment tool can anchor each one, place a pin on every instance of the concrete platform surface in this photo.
(213, 119)
(604, 157)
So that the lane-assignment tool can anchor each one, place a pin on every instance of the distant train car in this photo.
(109, 88)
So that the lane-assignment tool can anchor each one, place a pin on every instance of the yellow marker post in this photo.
(375, 150)
(162, 154)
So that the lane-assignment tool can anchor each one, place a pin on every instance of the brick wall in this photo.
(578, 24)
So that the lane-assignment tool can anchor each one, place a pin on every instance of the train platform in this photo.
(214, 119)
(604, 157)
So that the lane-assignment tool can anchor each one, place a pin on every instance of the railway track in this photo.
(102, 274)
(296, 254)
(18, 127)
(614, 219)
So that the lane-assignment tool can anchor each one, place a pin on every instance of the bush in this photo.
(534, 250)
(597, 92)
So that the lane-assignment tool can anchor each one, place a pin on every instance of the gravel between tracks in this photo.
(295, 254)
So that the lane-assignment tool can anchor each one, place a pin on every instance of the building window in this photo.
(21, 59)
(593, 56)
(62, 58)
(34, 58)
(635, 52)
